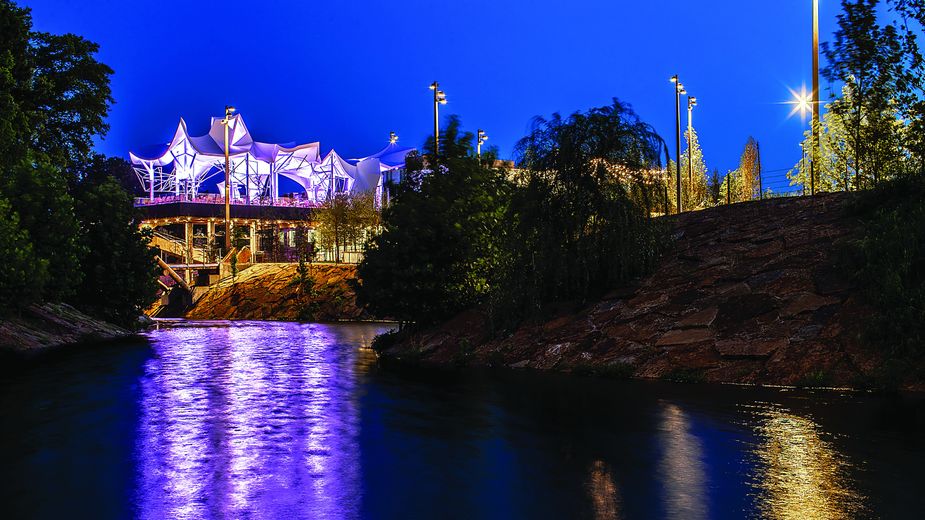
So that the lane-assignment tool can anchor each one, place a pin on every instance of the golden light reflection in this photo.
(603, 491)
(800, 475)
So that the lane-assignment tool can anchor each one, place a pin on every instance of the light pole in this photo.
(439, 99)
(480, 140)
(229, 112)
(678, 90)
(691, 103)
(393, 138)
(815, 123)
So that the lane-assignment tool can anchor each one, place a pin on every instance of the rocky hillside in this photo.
(42, 327)
(265, 292)
(748, 293)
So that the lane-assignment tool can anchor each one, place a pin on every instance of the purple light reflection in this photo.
(261, 421)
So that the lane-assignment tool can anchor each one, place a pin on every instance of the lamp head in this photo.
(674, 79)
(434, 85)
(393, 138)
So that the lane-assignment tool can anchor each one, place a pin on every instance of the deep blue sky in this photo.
(346, 73)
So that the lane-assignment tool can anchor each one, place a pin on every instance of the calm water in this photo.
(282, 420)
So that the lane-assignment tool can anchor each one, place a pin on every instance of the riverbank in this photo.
(40, 328)
(749, 293)
(269, 292)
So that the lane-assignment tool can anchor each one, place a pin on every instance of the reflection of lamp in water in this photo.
(603, 492)
(800, 475)
(681, 468)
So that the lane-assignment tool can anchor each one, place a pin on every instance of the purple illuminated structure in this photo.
(181, 168)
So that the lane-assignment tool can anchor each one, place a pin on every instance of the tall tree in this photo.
(714, 187)
(743, 181)
(694, 180)
(868, 59)
(438, 252)
(119, 271)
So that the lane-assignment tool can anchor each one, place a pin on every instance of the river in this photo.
(286, 420)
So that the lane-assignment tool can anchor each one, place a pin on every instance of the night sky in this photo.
(347, 73)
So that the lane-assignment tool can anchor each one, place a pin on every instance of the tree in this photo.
(38, 193)
(693, 180)
(119, 269)
(868, 59)
(344, 220)
(63, 211)
(575, 230)
(438, 251)
(714, 188)
(744, 180)
(22, 274)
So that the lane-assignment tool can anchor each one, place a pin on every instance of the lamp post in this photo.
(229, 114)
(393, 138)
(678, 90)
(480, 140)
(815, 128)
(691, 103)
(439, 99)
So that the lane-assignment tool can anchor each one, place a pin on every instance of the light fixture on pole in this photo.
(691, 103)
(439, 99)
(480, 140)
(229, 116)
(815, 128)
(678, 90)
(393, 138)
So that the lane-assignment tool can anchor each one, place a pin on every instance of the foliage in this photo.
(870, 62)
(715, 193)
(36, 191)
(694, 180)
(304, 282)
(22, 274)
(119, 269)
(742, 184)
(438, 251)
(344, 220)
(574, 229)
(68, 227)
(888, 261)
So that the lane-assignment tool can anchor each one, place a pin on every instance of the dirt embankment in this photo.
(39, 328)
(748, 293)
(266, 292)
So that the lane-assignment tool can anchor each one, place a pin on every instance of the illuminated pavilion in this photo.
(189, 167)
(275, 188)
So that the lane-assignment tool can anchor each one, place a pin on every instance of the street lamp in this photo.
(229, 115)
(678, 90)
(439, 99)
(691, 103)
(815, 128)
(482, 137)
(393, 138)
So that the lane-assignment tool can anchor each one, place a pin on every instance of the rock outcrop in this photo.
(38, 328)
(748, 293)
(266, 292)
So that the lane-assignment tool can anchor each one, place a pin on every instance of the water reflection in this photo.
(256, 419)
(681, 468)
(603, 491)
(799, 474)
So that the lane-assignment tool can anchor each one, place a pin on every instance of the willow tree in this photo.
(579, 222)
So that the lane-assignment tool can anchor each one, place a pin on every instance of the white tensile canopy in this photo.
(182, 167)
